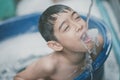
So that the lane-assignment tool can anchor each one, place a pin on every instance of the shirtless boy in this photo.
(63, 29)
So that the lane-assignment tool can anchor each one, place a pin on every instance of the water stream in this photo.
(91, 33)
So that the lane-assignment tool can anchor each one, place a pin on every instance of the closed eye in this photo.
(78, 18)
(66, 28)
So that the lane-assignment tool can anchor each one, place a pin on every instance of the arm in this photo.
(39, 70)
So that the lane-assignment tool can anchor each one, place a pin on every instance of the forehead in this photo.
(64, 13)
(63, 16)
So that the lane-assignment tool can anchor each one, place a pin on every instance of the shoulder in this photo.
(47, 63)
(41, 68)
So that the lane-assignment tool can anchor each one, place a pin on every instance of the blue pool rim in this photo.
(103, 55)
(12, 27)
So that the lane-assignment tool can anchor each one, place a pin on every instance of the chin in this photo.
(90, 46)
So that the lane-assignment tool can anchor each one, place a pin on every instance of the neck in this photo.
(74, 58)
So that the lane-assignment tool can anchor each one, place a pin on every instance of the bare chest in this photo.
(66, 72)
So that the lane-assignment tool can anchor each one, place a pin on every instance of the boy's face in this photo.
(69, 28)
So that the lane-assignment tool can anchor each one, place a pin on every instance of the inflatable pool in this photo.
(28, 24)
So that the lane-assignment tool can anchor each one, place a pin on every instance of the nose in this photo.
(79, 28)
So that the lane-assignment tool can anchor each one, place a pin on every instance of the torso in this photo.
(65, 71)
(68, 72)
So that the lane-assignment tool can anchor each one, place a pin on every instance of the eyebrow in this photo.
(73, 13)
(64, 21)
(61, 25)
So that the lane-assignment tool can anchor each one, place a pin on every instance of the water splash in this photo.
(9, 71)
(92, 33)
(89, 64)
(89, 51)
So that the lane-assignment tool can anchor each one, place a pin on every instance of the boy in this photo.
(63, 30)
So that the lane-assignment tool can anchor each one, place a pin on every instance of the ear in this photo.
(55, 45)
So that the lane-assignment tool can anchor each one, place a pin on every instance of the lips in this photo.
(85, 38)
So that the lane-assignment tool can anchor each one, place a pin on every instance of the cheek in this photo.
(83, 23)
(66, 37)
(72, 44)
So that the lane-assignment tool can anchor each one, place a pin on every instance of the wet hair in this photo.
(46, 21)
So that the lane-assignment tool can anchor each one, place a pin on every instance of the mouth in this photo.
(85, 38)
